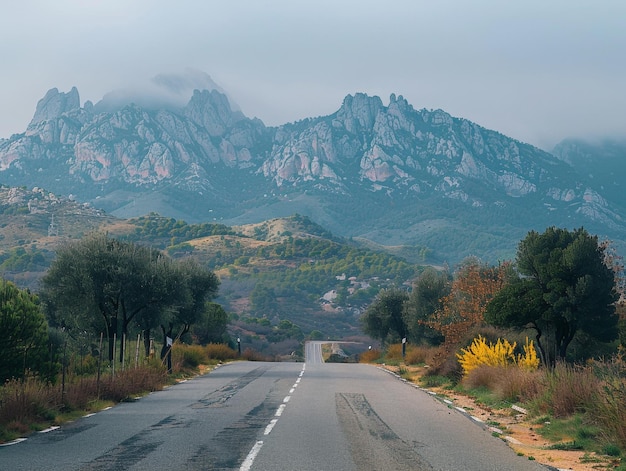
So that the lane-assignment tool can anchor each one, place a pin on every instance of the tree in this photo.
(23, 333)
(564, 286)
(473, 287)
(383, 318)
(211, 328)
(263, 300)
(103, 284)
(425, 299)
(192, 286)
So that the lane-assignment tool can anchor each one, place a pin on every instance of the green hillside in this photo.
(281, 280)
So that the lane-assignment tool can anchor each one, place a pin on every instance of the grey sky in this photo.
(536, 70)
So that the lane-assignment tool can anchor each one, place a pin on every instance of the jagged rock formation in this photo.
(54, 104)
(206, 159)
(397, 147)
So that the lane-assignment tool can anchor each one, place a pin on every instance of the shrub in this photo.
(507, 384)
(446, 365)
(502, 353)
(394, 352)
(566, 389)
(219, 351)
(518, 384)
(482, 376)
(132, 382)
(27, 400)
(370, 356)
(610, 407)
(252, 355)
(191, 355)
(420, 354)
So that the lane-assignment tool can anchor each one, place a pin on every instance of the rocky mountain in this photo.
(600, 164)
(390, 173)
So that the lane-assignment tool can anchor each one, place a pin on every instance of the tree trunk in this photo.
(166, 350)
(146, 341)
(111, 331)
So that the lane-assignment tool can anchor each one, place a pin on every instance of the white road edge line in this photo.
(247, 463)
(49, 429)
(13, 442)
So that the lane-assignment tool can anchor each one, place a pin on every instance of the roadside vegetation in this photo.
(114, 319)
(545, 333)
(87, 384)
(575, 406)
(90, 337)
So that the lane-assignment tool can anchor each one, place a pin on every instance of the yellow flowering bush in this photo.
(529, 360)
(502, 353)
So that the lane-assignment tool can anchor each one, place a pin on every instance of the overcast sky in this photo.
(535, 70)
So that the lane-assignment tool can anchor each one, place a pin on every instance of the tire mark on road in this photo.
(123, 456)
(220, 396)
(137, 447)
(373, 445)
(229, 447)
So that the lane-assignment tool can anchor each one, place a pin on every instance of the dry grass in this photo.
(370, 356)
(186, 357)
(511, 384)
(565, 390)
(26, 403)
(420, 354)
(253, 355)
(609, 409)
(394, 352)
(518, 385)
(27, 400)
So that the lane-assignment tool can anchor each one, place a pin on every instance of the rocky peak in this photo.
(54, 104)
(211, 110)
(359, 112)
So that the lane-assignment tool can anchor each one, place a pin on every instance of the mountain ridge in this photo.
(389, 173)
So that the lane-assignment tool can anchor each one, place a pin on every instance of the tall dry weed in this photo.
(370, 356)
(566, 389)
(219, 351)
(132, 382)
(394, 352)
(609, 409)
(27, 400)
(483, 376)
(420, 354)
(518, 384)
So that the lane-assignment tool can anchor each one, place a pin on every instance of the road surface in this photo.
(273, 416)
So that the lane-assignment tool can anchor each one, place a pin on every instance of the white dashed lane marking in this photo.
(247, 463)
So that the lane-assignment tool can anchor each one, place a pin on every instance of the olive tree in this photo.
(107, 285)
(426, 298)
(383, 318)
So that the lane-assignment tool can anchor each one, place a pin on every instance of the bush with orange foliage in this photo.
(473, 287)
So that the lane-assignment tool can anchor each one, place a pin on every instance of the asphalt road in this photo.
(273, 416)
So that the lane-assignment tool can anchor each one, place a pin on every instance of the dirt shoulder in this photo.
(518, 430)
